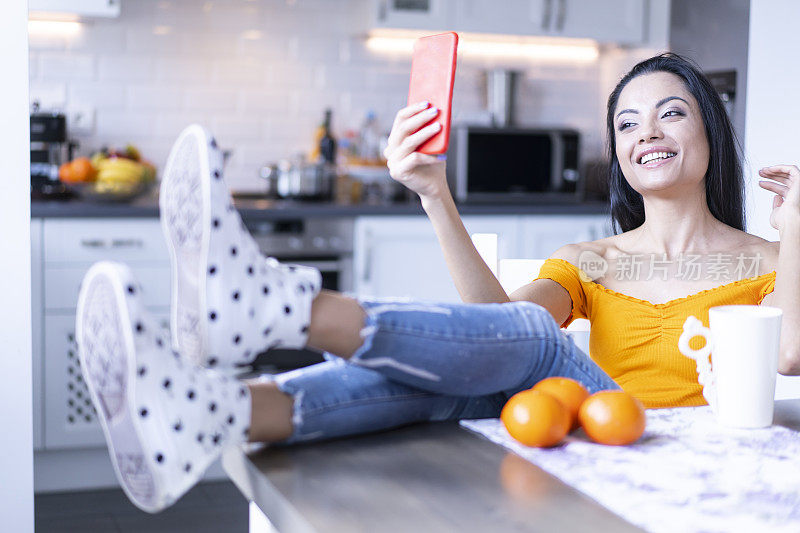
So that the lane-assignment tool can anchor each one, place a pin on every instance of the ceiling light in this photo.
(54, 28)
(474, 45)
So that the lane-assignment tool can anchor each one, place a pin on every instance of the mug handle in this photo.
(694, 328)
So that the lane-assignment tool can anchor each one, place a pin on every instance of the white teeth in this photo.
(656, 155)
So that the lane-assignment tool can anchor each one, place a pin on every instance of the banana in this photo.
(119, 162)
(120, 170)
(110, 178)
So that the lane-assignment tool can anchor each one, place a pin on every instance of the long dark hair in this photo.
(724, 180)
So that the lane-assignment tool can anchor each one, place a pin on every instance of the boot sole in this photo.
(107, 357)
(184, 209)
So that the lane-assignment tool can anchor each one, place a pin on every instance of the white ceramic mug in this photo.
(744, 340)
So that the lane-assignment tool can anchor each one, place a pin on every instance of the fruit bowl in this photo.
(91, 193)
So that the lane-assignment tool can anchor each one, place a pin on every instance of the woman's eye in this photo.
(673, 113)
(625, 125)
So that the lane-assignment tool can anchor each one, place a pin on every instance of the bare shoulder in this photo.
(572, 252)
(759, 248)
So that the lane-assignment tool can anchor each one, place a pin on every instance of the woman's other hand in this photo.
(785, 183)
(422, 173)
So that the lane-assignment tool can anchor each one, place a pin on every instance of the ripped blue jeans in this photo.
(426, 362)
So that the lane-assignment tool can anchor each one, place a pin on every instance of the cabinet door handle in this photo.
(547, 14)
(127, 243)
(93, 243)
(562, 14)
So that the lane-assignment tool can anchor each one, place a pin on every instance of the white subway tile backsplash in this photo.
(97, 94)
(66, 66)
(310, 49)
(33, 66)
(337, 77)
(234, 130)
(49, 95)
(211, 100)
(123, 125)
(182, 69)
(107, 37)
(291, 76)
(154, 98)
(124, 67)
(247, 71)
(169, 124)
(202, 45)
(260, 74)
(42, 41)
(264, 101)
(153, 39)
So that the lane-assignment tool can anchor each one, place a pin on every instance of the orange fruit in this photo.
(79, 170)
(83, 169)
(568, 391)
(535, 418)
(612, 417)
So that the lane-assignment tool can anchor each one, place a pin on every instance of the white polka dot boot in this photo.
(229, 302)
(165, 419)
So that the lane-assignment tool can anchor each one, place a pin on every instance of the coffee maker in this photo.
(49, 149)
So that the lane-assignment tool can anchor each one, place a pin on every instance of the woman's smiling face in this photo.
(660, 139)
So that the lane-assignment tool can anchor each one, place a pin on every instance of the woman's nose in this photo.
(650, 132)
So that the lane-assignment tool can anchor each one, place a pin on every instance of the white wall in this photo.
(260, 74)
(16, 444)
(772, 117)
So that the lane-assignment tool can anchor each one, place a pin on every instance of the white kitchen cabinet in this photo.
(401, 257)
(623, 22)
(519, 17)
(543, 235)
(65, 250)
(86, 240)
(62, 285)
(617, 21)
(59, 9)
(433, 15)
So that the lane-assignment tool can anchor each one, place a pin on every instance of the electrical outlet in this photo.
(80, 120)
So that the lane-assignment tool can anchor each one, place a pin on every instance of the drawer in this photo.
(62, 285)
(117, 239)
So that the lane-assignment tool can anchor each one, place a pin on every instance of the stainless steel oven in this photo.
(323, 243)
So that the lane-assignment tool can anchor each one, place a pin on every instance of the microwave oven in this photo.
(500, 165)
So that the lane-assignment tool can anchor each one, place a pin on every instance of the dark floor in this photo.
(208, 507)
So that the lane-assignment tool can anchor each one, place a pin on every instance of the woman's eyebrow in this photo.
(658, 104)
(668, 98)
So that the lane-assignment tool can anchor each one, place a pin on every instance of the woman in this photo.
(677, 190)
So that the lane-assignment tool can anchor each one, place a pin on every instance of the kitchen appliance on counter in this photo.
(49, 149)
(299, 179)
(507, 165)
(323, 243)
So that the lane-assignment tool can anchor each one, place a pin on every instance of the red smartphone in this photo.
(433, 71)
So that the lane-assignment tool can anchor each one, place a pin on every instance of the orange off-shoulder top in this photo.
(636, 342)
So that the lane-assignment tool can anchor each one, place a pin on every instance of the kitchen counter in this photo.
(425, 477)
(253, 209)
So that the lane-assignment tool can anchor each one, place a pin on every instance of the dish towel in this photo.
(686, 473)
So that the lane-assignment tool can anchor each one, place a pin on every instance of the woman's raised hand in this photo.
(422, 173)
(784, 181)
